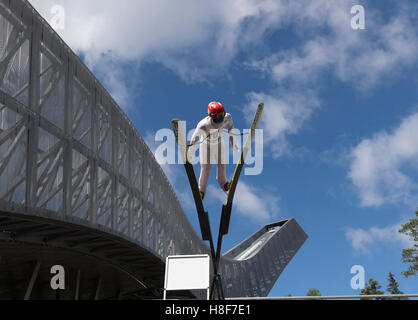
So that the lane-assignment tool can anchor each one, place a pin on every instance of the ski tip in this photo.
(175, 123)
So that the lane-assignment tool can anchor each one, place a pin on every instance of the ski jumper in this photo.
(212, 148)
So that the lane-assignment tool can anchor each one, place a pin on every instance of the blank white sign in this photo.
(187, 272)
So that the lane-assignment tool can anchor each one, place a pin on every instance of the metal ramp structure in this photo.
(80, 188)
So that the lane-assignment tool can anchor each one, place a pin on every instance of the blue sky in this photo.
(340, 122)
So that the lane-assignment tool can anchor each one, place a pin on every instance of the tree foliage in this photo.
(313, 292)
(372, 288)
(393, 286)
(410, 255)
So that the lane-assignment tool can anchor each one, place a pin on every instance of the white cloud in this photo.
(250, 202)
(283, 115)
(200, 39)
(362, 240)
(359, 239)
(377, 164)
(359, 57)
(194, 38)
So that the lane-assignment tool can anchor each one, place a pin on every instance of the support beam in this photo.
(77, 285)
(119, 294)
(33, 229)
(107, 247)
(32, 281)
(99, 286)
(83, 240)
(58, 236)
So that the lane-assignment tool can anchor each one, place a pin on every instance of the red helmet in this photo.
(216, 110)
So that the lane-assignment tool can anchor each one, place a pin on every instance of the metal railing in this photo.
(342, 297)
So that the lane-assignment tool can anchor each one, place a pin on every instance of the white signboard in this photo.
(187, 272)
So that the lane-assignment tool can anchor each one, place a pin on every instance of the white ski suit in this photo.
(212, 148)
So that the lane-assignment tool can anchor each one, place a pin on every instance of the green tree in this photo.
(313, 292)
(410, 255)
(372, 288)
(393, 287)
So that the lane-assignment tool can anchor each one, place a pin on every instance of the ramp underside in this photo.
(100, 265)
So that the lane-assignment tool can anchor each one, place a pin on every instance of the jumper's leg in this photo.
(220, 159)
(205, 166)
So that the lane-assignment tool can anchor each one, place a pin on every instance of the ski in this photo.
(227, 207)
(183, 149)
(244, 152)
(202, 214)
(247, 145)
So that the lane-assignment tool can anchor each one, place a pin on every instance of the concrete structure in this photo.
(80, 188)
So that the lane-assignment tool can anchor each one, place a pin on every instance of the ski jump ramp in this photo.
(80, 188)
